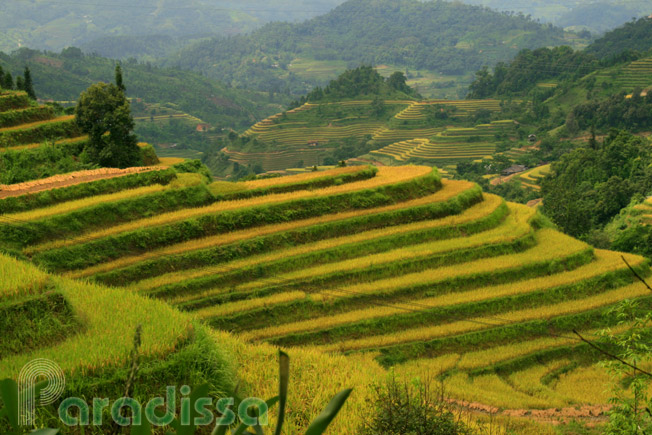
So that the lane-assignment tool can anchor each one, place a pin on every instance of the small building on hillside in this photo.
(515, 169)
(313, 143)
(203, 128)
(532, 138)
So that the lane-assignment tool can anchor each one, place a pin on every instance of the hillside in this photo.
(633, 36)
(429, 275)
(37, 24)
(450, 39)
(168, 104)
(365, 117)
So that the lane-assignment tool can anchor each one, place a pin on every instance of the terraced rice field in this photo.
(645, 210)
(416, 110)
(533, 177)
(423, 274)
(293, 137)
(452, 144)
(636, 74)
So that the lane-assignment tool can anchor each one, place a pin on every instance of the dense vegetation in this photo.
(530, 67)
(450, 38)
(619, 111)
(633, 36)
(360, 83)
(63, 76)
(590, 185)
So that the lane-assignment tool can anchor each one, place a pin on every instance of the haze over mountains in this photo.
(56, 24)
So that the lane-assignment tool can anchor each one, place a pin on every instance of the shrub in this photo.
(404, 409)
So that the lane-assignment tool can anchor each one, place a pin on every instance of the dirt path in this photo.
(70, 179)
(588, 413)
(500, 180)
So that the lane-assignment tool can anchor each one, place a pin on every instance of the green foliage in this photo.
(28, 85)
(361, 82)
(35, 323)
(530, 67)
(148, 155)
(636, 239)
(194, 166)
(633, 36)
(632, 114)
(413, 409)
(589, 186)
(103, 113)
(12, 118)
(631, 399)
(41, 162)
(48, 131)
(13, 100)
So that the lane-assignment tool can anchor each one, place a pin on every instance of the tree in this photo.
(118, 78)
(20, 83)
(8, 81)
(104, 113)
(398, 81)
(28, 86)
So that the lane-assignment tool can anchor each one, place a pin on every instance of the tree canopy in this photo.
(590, 185)
(104, 113)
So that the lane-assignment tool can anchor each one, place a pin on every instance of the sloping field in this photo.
(427, 275)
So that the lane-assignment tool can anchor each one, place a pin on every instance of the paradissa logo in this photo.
(74, 411)
(161, 412)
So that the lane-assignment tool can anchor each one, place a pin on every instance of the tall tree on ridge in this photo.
(28, 86)
(8, 81)
(118, 78)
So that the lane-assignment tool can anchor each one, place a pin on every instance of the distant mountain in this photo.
(633, 36)
(45, 24)
(596, 16)
(447, 38)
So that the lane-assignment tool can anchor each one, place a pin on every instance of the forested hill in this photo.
(63, 76)
(449, 38)
(44, 24)
(561, 64)
(633, 36)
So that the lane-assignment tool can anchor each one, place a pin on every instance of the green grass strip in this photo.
(34, 323)
(113, 247)
(13, 100)
(447, 314)
(381, 271)
(512, 333)
(48, 131)
(341, 252)
(314, 233)
(304, 309)
(104, 214)
(13, 118)
(79, 191)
